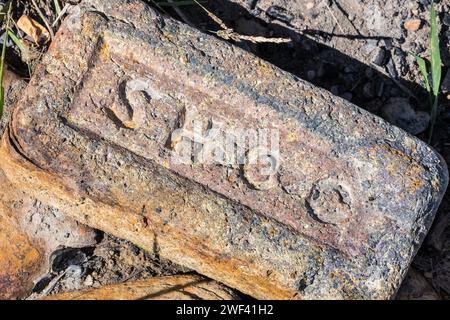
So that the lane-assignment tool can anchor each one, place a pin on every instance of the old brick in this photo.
(29, 230)
(95, 132)
(186, 287)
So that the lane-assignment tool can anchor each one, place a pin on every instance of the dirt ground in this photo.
(111, 261)
(358, 50)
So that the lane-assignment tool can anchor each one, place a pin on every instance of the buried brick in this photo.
(328, 201)
(184, 287)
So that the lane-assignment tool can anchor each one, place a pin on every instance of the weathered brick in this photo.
(95, 132)
(29, 230)
(185, 287)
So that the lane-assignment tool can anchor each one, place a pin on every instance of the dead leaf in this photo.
(34, 29)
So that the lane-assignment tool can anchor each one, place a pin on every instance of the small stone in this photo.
(89, 281)
(399, 112)
(370, 46)
(388, 44)
(74, 271)
(311, 74)
(347, 96)
(378, 57)
(412, 24)
(413, 5)
(446, 19)
(279, 13)
(335, 90)
(64, 258)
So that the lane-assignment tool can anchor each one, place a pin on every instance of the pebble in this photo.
(412, 24)
(379, 57)
(309, 5)
(388, 44)
(347, 96)
(370, 46)
(335, 90)
(89, 281)
(74, 271)
(399, 112)
(446, 19)
(279, 13)
(311, 74)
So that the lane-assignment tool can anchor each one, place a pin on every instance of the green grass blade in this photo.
(436, 69)
(423, 69)
(57, 7)
(19, 43)
(2, 66)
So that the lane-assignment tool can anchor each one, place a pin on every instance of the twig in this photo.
(50, 286)
(61, 14)
(332, 15)
(229, 34)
